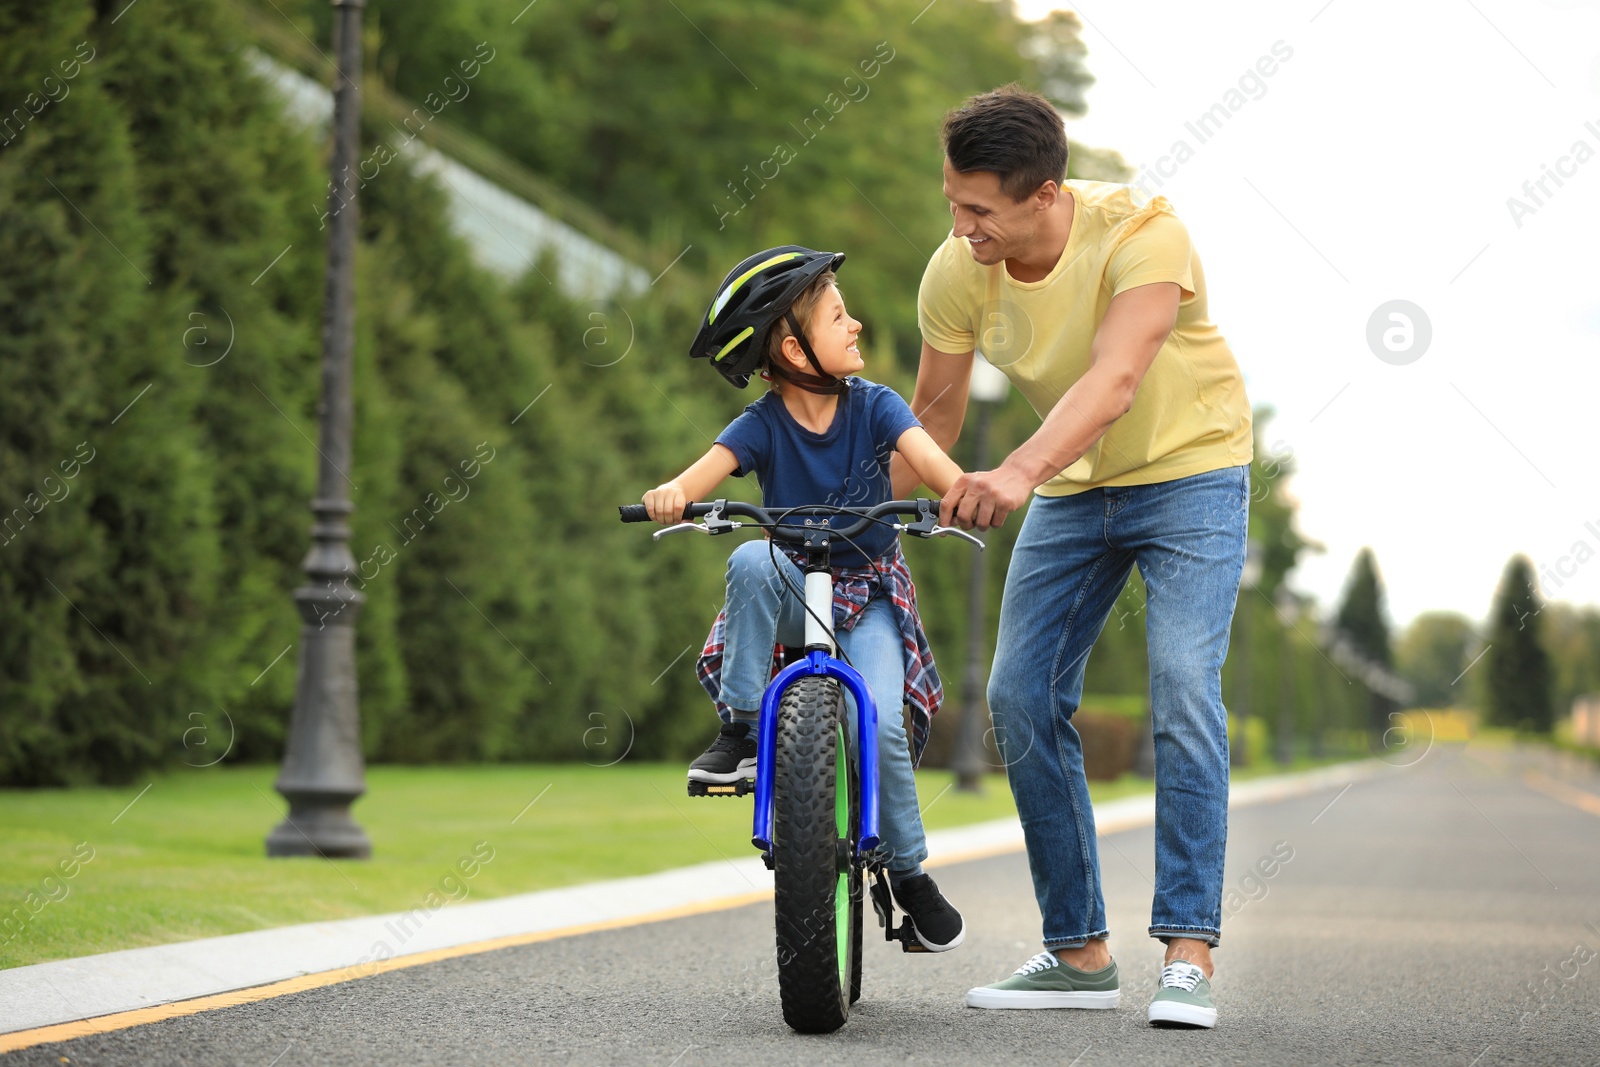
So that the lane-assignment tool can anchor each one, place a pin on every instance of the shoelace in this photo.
(1042, 962)
(1183, 975)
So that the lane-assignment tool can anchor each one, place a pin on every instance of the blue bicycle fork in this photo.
(818, 661)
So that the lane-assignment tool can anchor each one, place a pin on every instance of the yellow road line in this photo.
(124, 1020)
(1563, 792)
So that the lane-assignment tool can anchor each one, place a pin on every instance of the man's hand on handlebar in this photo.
(666, 502)
(983, 499)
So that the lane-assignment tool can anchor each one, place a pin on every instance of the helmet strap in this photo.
(820, 382)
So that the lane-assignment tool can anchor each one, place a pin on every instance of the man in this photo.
(1093, 303)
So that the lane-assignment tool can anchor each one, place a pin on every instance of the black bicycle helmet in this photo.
(750, 301)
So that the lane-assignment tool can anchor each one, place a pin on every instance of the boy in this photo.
(819, 436)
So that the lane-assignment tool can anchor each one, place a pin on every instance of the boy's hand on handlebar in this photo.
(666, 502)
(983, 499)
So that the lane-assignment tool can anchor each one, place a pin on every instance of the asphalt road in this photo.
(1413, 925)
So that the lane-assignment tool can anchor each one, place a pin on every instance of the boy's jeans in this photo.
(1072, 558)
(762, 613)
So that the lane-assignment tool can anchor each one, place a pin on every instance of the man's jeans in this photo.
(1072, 558)
(762, 613)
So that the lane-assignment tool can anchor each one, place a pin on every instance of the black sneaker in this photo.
(731, 757)
(938, 925)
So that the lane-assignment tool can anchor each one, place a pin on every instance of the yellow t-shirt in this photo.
(1190, 414)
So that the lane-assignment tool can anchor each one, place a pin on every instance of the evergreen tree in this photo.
(502, 606)
(1361, 621)
(1361, 616)
(105, 591)
(1518, 668)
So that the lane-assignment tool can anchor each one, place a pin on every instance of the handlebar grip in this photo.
(637, 512)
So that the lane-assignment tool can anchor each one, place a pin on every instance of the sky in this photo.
(1375, 163)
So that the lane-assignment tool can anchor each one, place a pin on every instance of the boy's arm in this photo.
(666, 502)
(927, 460)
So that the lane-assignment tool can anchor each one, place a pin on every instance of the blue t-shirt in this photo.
(848, 465)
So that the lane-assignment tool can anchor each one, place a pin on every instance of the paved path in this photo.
(1414, 924)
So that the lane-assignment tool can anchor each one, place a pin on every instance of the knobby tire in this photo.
(819, 964)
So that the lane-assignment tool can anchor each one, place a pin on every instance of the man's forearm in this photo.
(1079, 419)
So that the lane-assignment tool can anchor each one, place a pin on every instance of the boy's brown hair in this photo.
(774, 367)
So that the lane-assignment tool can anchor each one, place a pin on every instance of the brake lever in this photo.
(682, 527)
(951, 531)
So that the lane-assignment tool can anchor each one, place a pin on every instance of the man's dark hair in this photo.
(1012, 131)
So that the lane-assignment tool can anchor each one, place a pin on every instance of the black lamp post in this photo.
(1289, 610)
(323, 772)
(1320, 704)
(1239, 754)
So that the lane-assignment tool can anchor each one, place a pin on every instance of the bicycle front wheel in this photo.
(818, 900)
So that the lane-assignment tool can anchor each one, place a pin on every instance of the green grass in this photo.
(1123, 705)
(187, 859)
(1567, 744)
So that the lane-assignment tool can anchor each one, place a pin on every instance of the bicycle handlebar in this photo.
(784, 528)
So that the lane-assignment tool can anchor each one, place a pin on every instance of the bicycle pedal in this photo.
(740, 788)
(907, 936)
(883, 904)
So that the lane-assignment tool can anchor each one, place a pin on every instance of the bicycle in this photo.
(816, 838)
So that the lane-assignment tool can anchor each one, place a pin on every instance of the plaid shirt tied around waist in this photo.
(852, 587)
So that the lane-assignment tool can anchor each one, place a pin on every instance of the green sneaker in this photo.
(1184, 998)
(1046, 982)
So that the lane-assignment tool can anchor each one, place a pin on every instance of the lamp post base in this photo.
(968, 781)
(320, 827)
